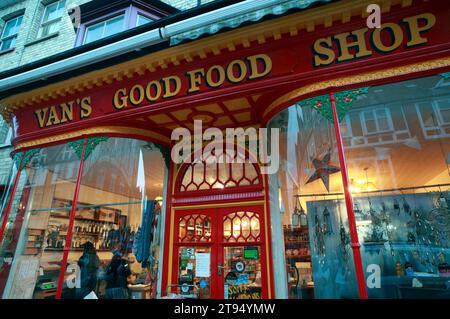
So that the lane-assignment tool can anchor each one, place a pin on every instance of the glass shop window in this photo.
(51, 18)
(104, 29)
(313, 259)
(401, 190)
(398, 159)
(32, 246)
(115, 249)
(9, 34)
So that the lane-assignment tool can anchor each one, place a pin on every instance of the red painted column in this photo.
(71, 222)
(349, 204)
(165, 280)
(11, 198)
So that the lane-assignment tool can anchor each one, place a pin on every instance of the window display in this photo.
(397, 147)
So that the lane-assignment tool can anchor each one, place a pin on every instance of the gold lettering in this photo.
(396, 35)
(120, 99)
(220, 76)
(167, 87)
(52, 117)
(323, 55)
(67, 112)
(148, 91)
(41, 115)
(140, 92)
(267, 62)
(359, 44)
(86, 108)
(195, 79)
(415, 30)
(242, 71)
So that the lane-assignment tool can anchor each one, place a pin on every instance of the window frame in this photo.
(104, 20)
(438, 110)
(15, 35)
(130, 13)
(44, 23)
(376, 119)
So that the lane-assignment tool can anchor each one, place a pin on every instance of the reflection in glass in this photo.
(115, 246)
(37, 235)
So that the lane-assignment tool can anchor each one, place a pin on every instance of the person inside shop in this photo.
(89, 264)
(117, 273)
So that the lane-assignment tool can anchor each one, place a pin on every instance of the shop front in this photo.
(357, 207)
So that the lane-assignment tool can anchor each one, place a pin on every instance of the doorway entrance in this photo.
(220, 253)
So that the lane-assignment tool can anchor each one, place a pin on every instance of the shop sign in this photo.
(64, 112)
(290, 56)
(364, 42)
(236, 71)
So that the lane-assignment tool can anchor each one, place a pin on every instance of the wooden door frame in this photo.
(217, 245)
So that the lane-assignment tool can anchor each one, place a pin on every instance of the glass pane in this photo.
(49, 28)
(38, 224)
(12, 27)
(311, 241)
(371, 126)
(193, 283)
(94, 32)
(141, 20)
(7, 44)
(444, 108)
(54, 10)
(116, 241)
(194, 228)
(242, 270)
(114, 26)
(401, 188)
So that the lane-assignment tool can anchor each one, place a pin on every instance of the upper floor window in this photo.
(52, 16)
(102, 18)
(9, 33)
(104, 29)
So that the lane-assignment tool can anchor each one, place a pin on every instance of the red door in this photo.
(220, 253)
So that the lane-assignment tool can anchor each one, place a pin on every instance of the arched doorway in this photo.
(219, 231)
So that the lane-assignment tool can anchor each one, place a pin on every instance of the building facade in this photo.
(346, 196)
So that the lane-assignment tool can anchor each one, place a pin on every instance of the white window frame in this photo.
(374, 113)
(439, 125)
(103, 27)
(3, 38)
(438, 112)
(49, 22)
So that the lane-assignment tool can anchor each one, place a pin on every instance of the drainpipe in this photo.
(349, 204)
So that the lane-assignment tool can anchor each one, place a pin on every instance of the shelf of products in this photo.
(298, 260)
